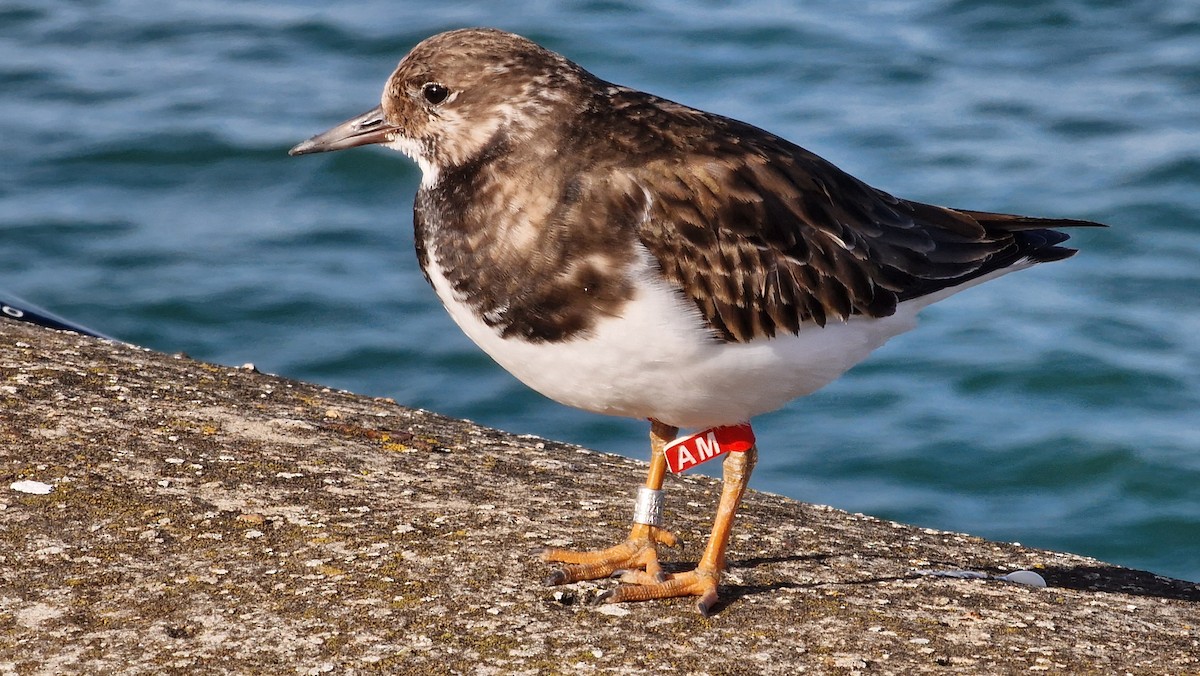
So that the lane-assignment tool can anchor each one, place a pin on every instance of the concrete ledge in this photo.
(211, 519)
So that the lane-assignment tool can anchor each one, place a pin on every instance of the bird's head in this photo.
(457, 94)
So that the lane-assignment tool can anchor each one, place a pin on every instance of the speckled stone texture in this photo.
(207, 519)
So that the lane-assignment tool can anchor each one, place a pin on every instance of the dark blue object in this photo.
(15, 308)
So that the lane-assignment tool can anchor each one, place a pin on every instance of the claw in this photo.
(706, 602)
(556, 577)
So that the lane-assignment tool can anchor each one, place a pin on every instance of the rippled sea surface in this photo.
(145, 191)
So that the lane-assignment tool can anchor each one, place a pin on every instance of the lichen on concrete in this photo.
(214, 519)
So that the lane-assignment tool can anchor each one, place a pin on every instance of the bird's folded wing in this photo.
(766, 236)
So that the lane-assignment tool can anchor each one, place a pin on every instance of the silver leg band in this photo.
(649, 507)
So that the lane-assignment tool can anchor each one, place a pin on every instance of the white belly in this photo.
(657, 361)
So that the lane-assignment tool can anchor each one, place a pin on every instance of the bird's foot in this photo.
(636, 559)
(700, 582)
(641, 575)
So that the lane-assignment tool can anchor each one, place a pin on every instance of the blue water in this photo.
(145, 191)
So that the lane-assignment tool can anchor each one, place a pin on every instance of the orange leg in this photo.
(703, 580)
(640, 551)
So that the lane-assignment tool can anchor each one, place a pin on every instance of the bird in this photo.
(628, 255)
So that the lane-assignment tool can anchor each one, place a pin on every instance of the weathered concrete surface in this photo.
(212, 519)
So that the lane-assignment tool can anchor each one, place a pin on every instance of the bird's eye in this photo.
(435, 93)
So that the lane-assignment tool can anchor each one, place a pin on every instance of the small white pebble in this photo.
(31, 487)
(1025, 577)
(614, 610)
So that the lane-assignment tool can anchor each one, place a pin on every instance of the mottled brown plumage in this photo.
(761, 234)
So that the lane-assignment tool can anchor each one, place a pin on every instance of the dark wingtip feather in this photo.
(1015, 223)
(1051, 254)
(1039, 245)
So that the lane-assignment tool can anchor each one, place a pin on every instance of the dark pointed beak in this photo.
(368, 128)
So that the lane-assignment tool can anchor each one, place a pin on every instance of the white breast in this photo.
(657, 360)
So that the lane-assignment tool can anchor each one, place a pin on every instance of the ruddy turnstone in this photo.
(628, 255)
